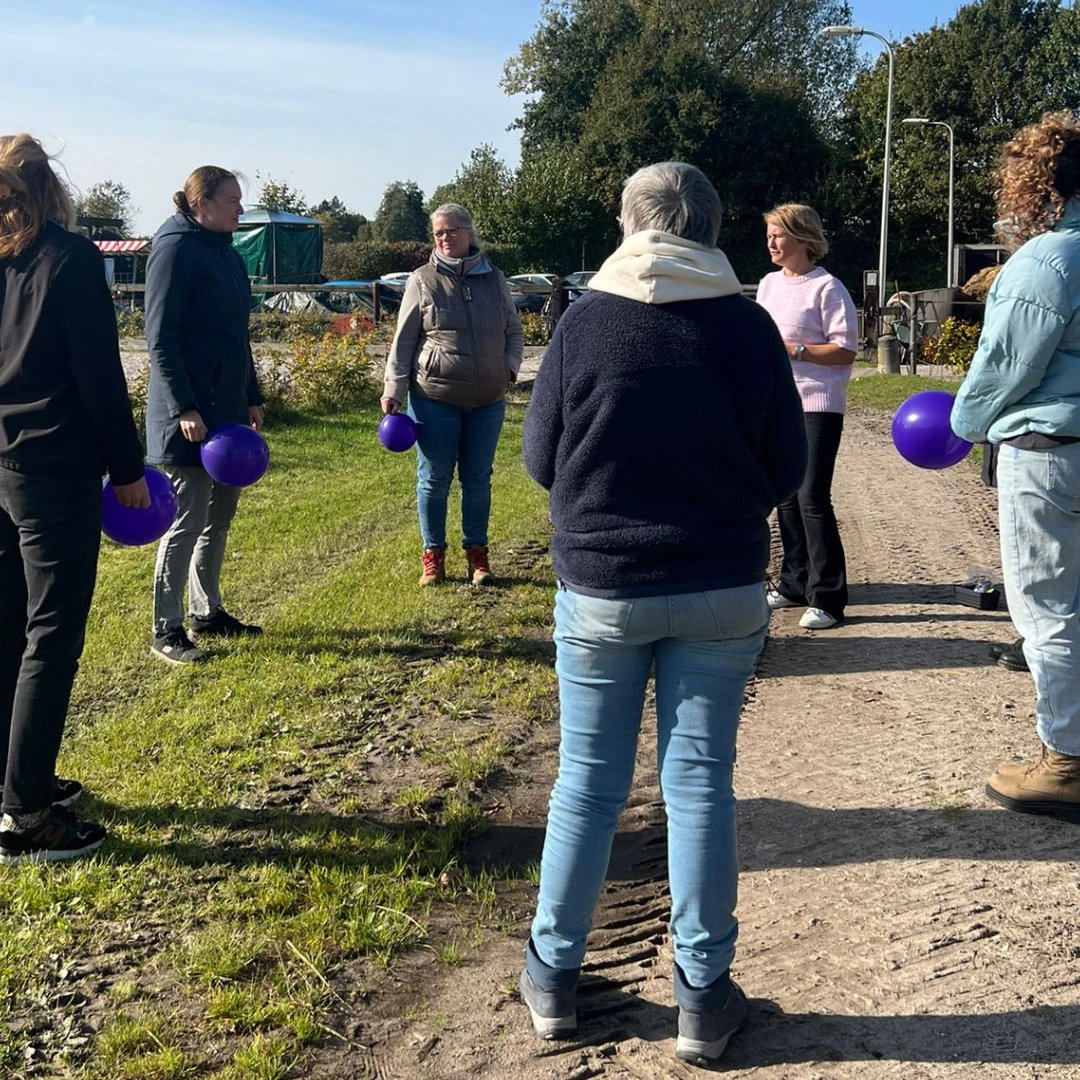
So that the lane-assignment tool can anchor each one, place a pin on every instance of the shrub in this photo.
(367, 260)
(130, 323)
(321, 374)
(954, 345)
(537, 329)
(138, 386)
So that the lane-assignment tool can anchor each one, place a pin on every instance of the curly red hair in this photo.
(1039, 172)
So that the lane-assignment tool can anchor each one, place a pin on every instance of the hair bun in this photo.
(180, 202)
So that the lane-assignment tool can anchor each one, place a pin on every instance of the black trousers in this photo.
(814, 568)
(50, 535)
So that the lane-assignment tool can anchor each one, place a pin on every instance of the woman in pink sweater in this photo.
(817, 320)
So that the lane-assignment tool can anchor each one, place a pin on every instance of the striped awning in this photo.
(123, 247)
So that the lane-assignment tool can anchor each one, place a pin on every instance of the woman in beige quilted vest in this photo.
(458, 346)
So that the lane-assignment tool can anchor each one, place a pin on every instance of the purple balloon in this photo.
(235, 455)
(134, 527)
(922, 434)
(397, 432)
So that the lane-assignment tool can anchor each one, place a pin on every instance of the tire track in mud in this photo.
(892, 923)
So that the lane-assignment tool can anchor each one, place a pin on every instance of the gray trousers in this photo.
(193, 550)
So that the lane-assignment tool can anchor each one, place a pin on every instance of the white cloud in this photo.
(144, 104)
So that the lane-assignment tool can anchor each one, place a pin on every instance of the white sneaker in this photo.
(816, 619)
(777, 600)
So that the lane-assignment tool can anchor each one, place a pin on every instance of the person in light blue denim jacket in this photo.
(1023, 394)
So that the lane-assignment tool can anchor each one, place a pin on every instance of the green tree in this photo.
(401, 213)
(108, 199)
(996, 66)
(482, 186)
(617, 84)
(339, 223)
(281, 195)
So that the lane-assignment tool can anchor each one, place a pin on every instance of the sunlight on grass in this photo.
(248, 841)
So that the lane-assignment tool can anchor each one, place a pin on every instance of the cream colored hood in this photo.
(658, 268)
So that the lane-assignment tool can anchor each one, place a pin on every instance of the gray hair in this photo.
(461, 217)
(672, 197)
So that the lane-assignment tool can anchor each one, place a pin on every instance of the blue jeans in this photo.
(703, 646)
(449, 435)
(1039, 507)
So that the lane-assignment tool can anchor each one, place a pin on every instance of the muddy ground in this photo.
(893, 922)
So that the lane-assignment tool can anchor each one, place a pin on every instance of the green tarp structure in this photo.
(280, 248)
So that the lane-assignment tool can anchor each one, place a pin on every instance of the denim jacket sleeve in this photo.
(1026, 314)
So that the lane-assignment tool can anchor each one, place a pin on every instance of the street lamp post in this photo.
(952, 144)
(858, 31)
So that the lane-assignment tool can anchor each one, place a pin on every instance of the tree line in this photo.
(751, 92)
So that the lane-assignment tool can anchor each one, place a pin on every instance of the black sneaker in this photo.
(60, 835)
(222, 624)
(997, 648)
(553, 1012)
(1013, 658)
(175, 648)
(65, 792)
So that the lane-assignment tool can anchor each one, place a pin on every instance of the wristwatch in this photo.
(799, 350)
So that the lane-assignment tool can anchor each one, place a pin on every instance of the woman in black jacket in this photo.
(65, 419)
(202, 376)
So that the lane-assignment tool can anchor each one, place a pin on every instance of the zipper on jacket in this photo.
(466, 295)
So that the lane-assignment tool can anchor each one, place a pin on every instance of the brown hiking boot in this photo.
(434, 567)
(1050, 785)
(478, 572)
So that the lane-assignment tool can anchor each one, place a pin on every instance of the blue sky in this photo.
(337, 97)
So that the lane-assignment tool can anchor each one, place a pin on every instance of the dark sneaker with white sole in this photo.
(553, 1012)
(56, 834)
(175, 647)
(65, 792)
(704, 1032)
(222, 624)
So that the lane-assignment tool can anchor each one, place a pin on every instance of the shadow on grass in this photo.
(410, 644)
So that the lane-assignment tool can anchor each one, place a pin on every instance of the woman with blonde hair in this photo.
(1022, 394)
(818, 322)
(65, 420)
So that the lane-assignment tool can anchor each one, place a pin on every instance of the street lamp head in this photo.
(916, 120)
(842, 31)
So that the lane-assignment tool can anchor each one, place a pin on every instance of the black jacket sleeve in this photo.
(168, 286)
(91, 337)
(544, 417)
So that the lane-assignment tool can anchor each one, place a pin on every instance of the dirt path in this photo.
(893, 923)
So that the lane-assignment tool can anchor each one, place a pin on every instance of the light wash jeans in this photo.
(703, 646)
(449, 435)
(193, 550)
(1039, 508)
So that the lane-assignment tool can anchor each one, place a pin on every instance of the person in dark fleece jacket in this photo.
(666, 424)
(65, 419)
(202, 375)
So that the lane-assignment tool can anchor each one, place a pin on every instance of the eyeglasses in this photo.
(448, 233)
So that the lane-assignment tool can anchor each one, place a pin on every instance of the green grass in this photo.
(294, 804)
(888, 392)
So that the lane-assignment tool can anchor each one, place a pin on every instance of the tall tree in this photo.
(741, 88)
(996, 66)
(108, 199)
(339, 223)
(281, 195)
(401, 213)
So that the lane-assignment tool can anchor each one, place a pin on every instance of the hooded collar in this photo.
(473, 263)
(658, 268)
(182, 225)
